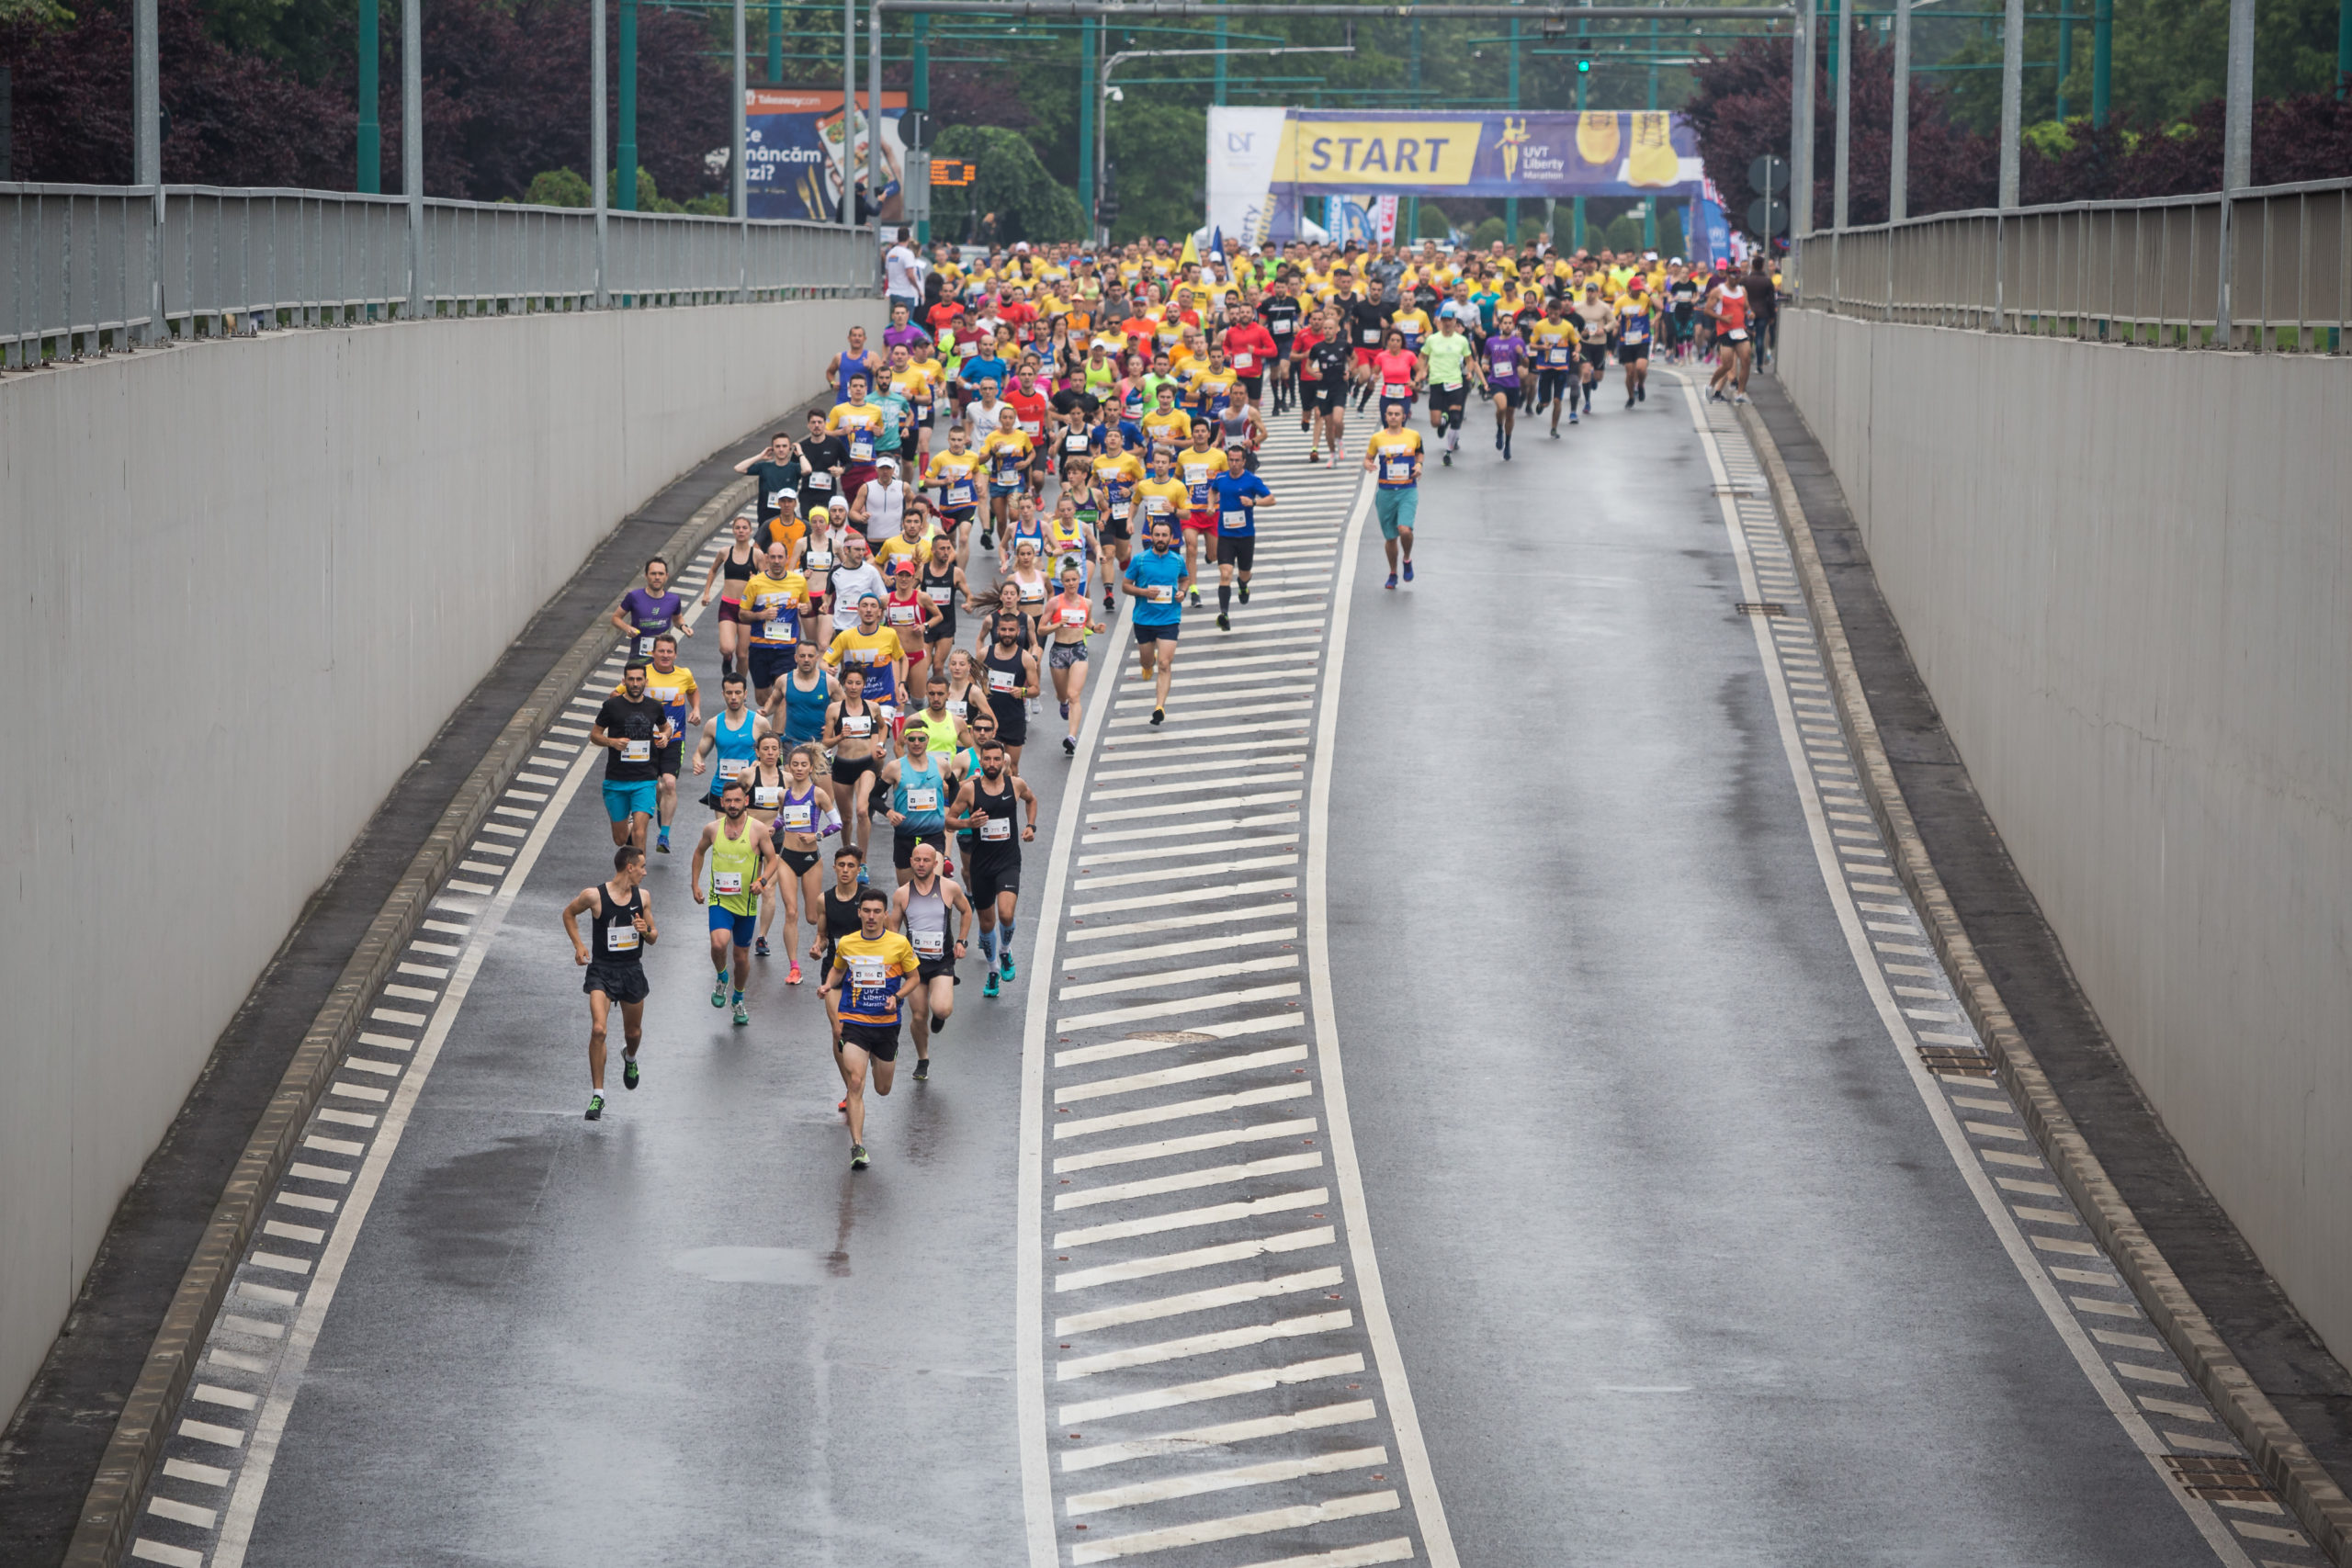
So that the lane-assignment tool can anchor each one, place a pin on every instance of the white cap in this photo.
(886, 461)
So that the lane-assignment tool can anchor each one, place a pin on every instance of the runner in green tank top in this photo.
(743, 864)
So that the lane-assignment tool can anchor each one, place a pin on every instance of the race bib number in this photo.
(1029, 427)
(940, 593)
(859, 724)
(1234, 522)
(821, 479)
(1121, 510)
(621, 937)
(1075, 442)
(902, 615)
(1244, 360)
(923, 799)
(867, 972)
(1556, 356)
(798, 814)
(821, 560)
(765, 798)
(1396, 389)
(1370, 337)
(996, 829)
(645, 648)
(1156, 506)
(1398, 468)
(960, 493)
(1073, 618)
(959, 707)
(860, 448)
(1738, 335)
(930, 944)
(1003, 681)
(727, 884)
(636, 750)
(1163, 593)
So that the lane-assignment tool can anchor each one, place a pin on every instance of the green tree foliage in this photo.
(1013, 199)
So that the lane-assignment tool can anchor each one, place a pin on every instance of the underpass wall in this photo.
(2126, 577)
(248, 581)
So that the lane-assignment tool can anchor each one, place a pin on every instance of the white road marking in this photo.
(1216, 1067)
(1199, 1481)
(1070, 1369)
(1223, 1435)
(1195, 1258)
(1257, 1382)
(1170, 852)
(1168, 1010)
(1299, 1517)
(1157, 900)
(1175, 977)
(1230, 825)
(1165, 1147)
(1195, 1219)
(1290, 774)
(1182, 874)
(1284, 910)
(1196, 1301)
(1179, 949)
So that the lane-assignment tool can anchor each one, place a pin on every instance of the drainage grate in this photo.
(1957, 1062)
(2218, 1480)
(1767, 608)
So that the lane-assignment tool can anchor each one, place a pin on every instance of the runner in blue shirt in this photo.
(1159, 582)
(1236, 495)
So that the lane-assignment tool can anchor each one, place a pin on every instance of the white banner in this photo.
(1242, 146)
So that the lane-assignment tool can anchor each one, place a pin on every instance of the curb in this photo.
(107, 1520)
(2317, 1501)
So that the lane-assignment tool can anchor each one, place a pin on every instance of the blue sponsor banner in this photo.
(793, 156)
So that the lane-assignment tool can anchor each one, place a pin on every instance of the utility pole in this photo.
(625, 191)
(919, 97)
(1801, 138)
(848, 114)
(599, 178)
(1511, 203)
(872, 112)
(147, 154)
(1223, 39)
(739, 195)
(1898, 174)
(413, 144)
(1650, 204)
(1584, 75)
(775, 44)
(1413, 80)
(1845, 80)
(371, 129)
(2012, 97)
(2103, 56)
(1091, 101)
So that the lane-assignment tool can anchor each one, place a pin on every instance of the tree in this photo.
(1027, 202)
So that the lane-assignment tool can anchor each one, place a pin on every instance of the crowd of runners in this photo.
(1035, 445)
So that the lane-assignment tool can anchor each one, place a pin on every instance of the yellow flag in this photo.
(1192, 256)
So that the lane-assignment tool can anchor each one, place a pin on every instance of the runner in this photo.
(874, 647)
(869, 970)
(1397, 371)
(858, 736)
(629, 725)
(852, 362)
(1239, 494)
(917, 793)
(919, 911)
(730, 570)
(645, 612)
(955, 475)
(733, 733)
(1118, 471)
(828, 528)
(1596, 323)
(1394, 454)
(1159, 582)
(857, 421)
(1070, 617)
(796, 711)
(985, 805)
(1634, 327)
(835, 918)
(1448, 366)
(1726, 306)
(620, 927)
(1196, 465)
(1323, 388)
(1555, 341)
(942, 587)
(772, 601)
(1011, 675)
(1506, 357)
(823, 458)
(1008, 453)
(672, 685)
(743, 865)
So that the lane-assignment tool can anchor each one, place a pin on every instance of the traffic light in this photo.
(1584, 67)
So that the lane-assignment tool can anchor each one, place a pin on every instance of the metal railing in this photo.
(2264, 269)
(82, 267)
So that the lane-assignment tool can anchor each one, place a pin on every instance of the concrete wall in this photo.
(2126, 576)
(248, 581)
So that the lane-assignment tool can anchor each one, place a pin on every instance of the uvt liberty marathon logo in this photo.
(1519, 150)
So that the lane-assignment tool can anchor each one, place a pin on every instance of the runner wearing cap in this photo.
(1394, 457)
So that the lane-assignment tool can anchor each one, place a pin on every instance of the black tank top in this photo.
(616, 922)
(997, 842)
(840, 920)
(1009, 711)
(946, 601)
(733, 570)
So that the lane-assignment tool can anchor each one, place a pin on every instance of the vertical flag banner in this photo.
(1242, 145)
(793, 163)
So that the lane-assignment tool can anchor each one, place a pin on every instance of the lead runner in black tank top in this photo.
(620, 927)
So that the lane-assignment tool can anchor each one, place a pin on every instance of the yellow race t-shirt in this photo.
(1393, 452)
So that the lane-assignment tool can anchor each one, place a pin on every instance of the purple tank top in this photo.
(1505, 356)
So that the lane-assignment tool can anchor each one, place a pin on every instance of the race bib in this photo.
(860, 725)
(1556, 356)
(1003, 681)
(1396, 389)
(930, 944)
(923, 799)
(823, 479)
(996, 829)
(1075, 442)
(1156, 506)
(765, 798)
(727, 884)
(1120, 510)
(902, 615)
(867, 971)
(1073, 618)
(1370, 337)
(636, 750)
(1398, 468)
(621, 937)
(645, 648)
(798, 814)
(959, 707)
(960, 493)
(940, 593)
(1029, 427)
(821, 560)
(1234, 522)
(1163, 593)
(860, 448)
(1244, 360)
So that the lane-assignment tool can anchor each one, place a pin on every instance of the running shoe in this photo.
(1070, 745)
(857, 1161)
(1332, 463)
(843, 1107)
(1572, 419)
(1245, 593)
(794, 977)
(1392, 581)
(595, 1107)
(1010, 973)
(987, 540)
(742, 1014)
(1224, 622)
(989, 987)
(1196, 598)
(718, 993)
(1065, 710)
(629, 1072)
(1555, 433)
(1446, 459)
(1506, 451)
(1409, 571)
(861, 876)
(1641, 393)
(922, 1065)
(759, 948)
(1158, 718)
(1499, 438)
(661, 844)
(1629, 400)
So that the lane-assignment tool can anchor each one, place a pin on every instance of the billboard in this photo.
(1263, 161)
(792, 160)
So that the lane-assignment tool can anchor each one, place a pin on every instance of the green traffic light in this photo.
(1584, 67)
